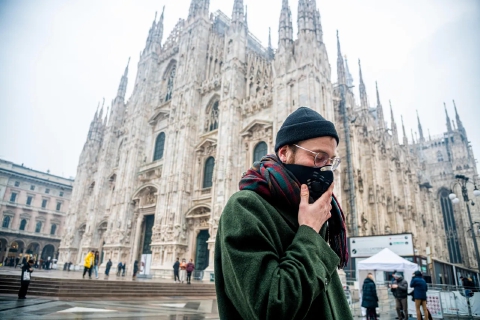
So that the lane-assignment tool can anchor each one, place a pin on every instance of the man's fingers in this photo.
(304, 194)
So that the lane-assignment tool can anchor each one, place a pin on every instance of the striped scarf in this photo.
(269, 178)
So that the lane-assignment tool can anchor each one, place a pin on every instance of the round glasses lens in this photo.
(321, 159)
(335, 163)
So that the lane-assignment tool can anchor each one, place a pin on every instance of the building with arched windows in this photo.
(155, 174)
(33, 206)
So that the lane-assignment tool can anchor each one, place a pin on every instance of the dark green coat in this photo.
(267, 267)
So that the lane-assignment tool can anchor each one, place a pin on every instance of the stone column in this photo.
(138, 233)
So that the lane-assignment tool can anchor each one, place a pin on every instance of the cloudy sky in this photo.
(59, 59)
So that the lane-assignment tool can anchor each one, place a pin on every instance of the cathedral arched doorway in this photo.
(144, 219)
(48, 251)
(202, 253)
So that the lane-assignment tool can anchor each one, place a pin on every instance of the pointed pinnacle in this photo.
(269, 37)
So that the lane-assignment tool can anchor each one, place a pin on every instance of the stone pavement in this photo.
(60, 274)
(162, 309)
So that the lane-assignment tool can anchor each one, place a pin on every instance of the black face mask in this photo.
(318, 180)
(302, 173)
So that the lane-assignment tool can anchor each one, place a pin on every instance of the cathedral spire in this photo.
(405, 139)
(270, 48)
(158, 37)
(318, 27)
(122, 88)
(246, 19)
(340, 66)
(459, 122)
(198, 8)
(413, 138)
(306, 15)
(381, 119)
(393, 125)
(151, 34)
(363, 92)
(449, 123)
(238, 15)
(285, 28)
(420, 130)
(348, 75)
(106, 117)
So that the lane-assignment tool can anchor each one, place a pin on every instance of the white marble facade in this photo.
(205, 103)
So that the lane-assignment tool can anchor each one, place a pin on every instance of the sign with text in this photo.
(401, 244)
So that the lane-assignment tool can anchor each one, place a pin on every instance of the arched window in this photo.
(38, 227)
(208, 172)
(259, 151)
(159, 146)
(53, 229)
(439, 156)
(212, 117)
(171, 78)
(6, 222)
(23, 224)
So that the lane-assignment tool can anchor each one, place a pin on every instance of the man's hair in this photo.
(30, 261)
(370, 274)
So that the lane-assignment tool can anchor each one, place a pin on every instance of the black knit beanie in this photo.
(303, 124)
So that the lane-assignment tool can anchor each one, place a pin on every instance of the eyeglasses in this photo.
(322, 159)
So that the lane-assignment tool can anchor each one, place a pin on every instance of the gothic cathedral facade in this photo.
(156, 172)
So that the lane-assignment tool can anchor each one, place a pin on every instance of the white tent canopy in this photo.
(387, 260)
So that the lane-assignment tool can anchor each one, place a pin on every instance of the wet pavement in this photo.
(159, 308)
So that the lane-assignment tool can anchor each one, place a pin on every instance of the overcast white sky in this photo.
(59, 58)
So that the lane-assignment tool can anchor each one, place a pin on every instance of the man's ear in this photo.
(282, 154)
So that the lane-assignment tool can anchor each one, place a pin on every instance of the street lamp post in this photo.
(462, 181)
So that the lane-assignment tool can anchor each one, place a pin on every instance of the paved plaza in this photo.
(164, 308)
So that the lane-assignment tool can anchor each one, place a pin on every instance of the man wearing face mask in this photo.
(275, 253)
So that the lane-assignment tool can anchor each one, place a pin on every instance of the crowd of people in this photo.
(182, 271)
(15, 262)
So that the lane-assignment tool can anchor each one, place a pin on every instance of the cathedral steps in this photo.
(85, 289)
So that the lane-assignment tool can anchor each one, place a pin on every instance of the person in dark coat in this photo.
(420, 289)
(135, 270)
(119, 268)
(190, 268)
(124, 265)
(17, 260)
(176, 268)
(401, 294)
(107, 267)
(369, 297)
(25, 279)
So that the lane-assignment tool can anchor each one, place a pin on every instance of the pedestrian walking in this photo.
(88, 264)
(369, 297)
(96, 263)
(25, 278)
(183, 270)
(190, 268)
(119, 268)
(108, 266)
(420, 289)
(17, 260)
(275, 254)
(176, 267)
(135, 270)
(124, 265)
(400, 294)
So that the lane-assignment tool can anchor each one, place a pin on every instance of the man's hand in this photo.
(314, 215)
(394, 286)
